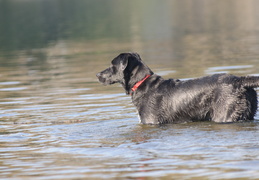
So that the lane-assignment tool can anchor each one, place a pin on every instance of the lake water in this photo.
(58, 122)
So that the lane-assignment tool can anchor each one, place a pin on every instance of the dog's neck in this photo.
(135, 87)
(134, 75)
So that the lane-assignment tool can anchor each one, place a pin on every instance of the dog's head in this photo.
(126, 69)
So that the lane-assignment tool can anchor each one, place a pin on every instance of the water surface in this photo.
(58, 122)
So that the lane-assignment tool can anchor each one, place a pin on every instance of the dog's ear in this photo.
(121, 61)
(124, 63)
(136, 55)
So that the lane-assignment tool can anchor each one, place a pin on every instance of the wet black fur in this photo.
(218, 98)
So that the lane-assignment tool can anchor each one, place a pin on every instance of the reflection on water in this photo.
(58, 122)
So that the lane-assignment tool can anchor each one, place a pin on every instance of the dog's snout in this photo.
(98, 75)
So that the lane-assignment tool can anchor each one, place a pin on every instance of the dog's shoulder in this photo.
(168, 83)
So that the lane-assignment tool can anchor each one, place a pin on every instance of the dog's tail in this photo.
(250, 81)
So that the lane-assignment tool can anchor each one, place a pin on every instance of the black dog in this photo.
(218, 98)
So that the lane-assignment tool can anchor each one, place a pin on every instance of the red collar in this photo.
(135, 87)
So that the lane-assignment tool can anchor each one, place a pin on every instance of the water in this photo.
(58, 122)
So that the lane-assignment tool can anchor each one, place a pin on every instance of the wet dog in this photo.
(218, 98)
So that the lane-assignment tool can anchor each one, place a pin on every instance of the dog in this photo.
(220, 98)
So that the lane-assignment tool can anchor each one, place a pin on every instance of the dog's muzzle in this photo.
(100, 77)
(103, 79)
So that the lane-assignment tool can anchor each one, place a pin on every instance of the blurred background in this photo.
(58, 122)
(179, 34)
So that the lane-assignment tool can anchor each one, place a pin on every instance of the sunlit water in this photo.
(58, 122)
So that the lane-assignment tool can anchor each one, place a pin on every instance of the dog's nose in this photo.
(98, 75)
